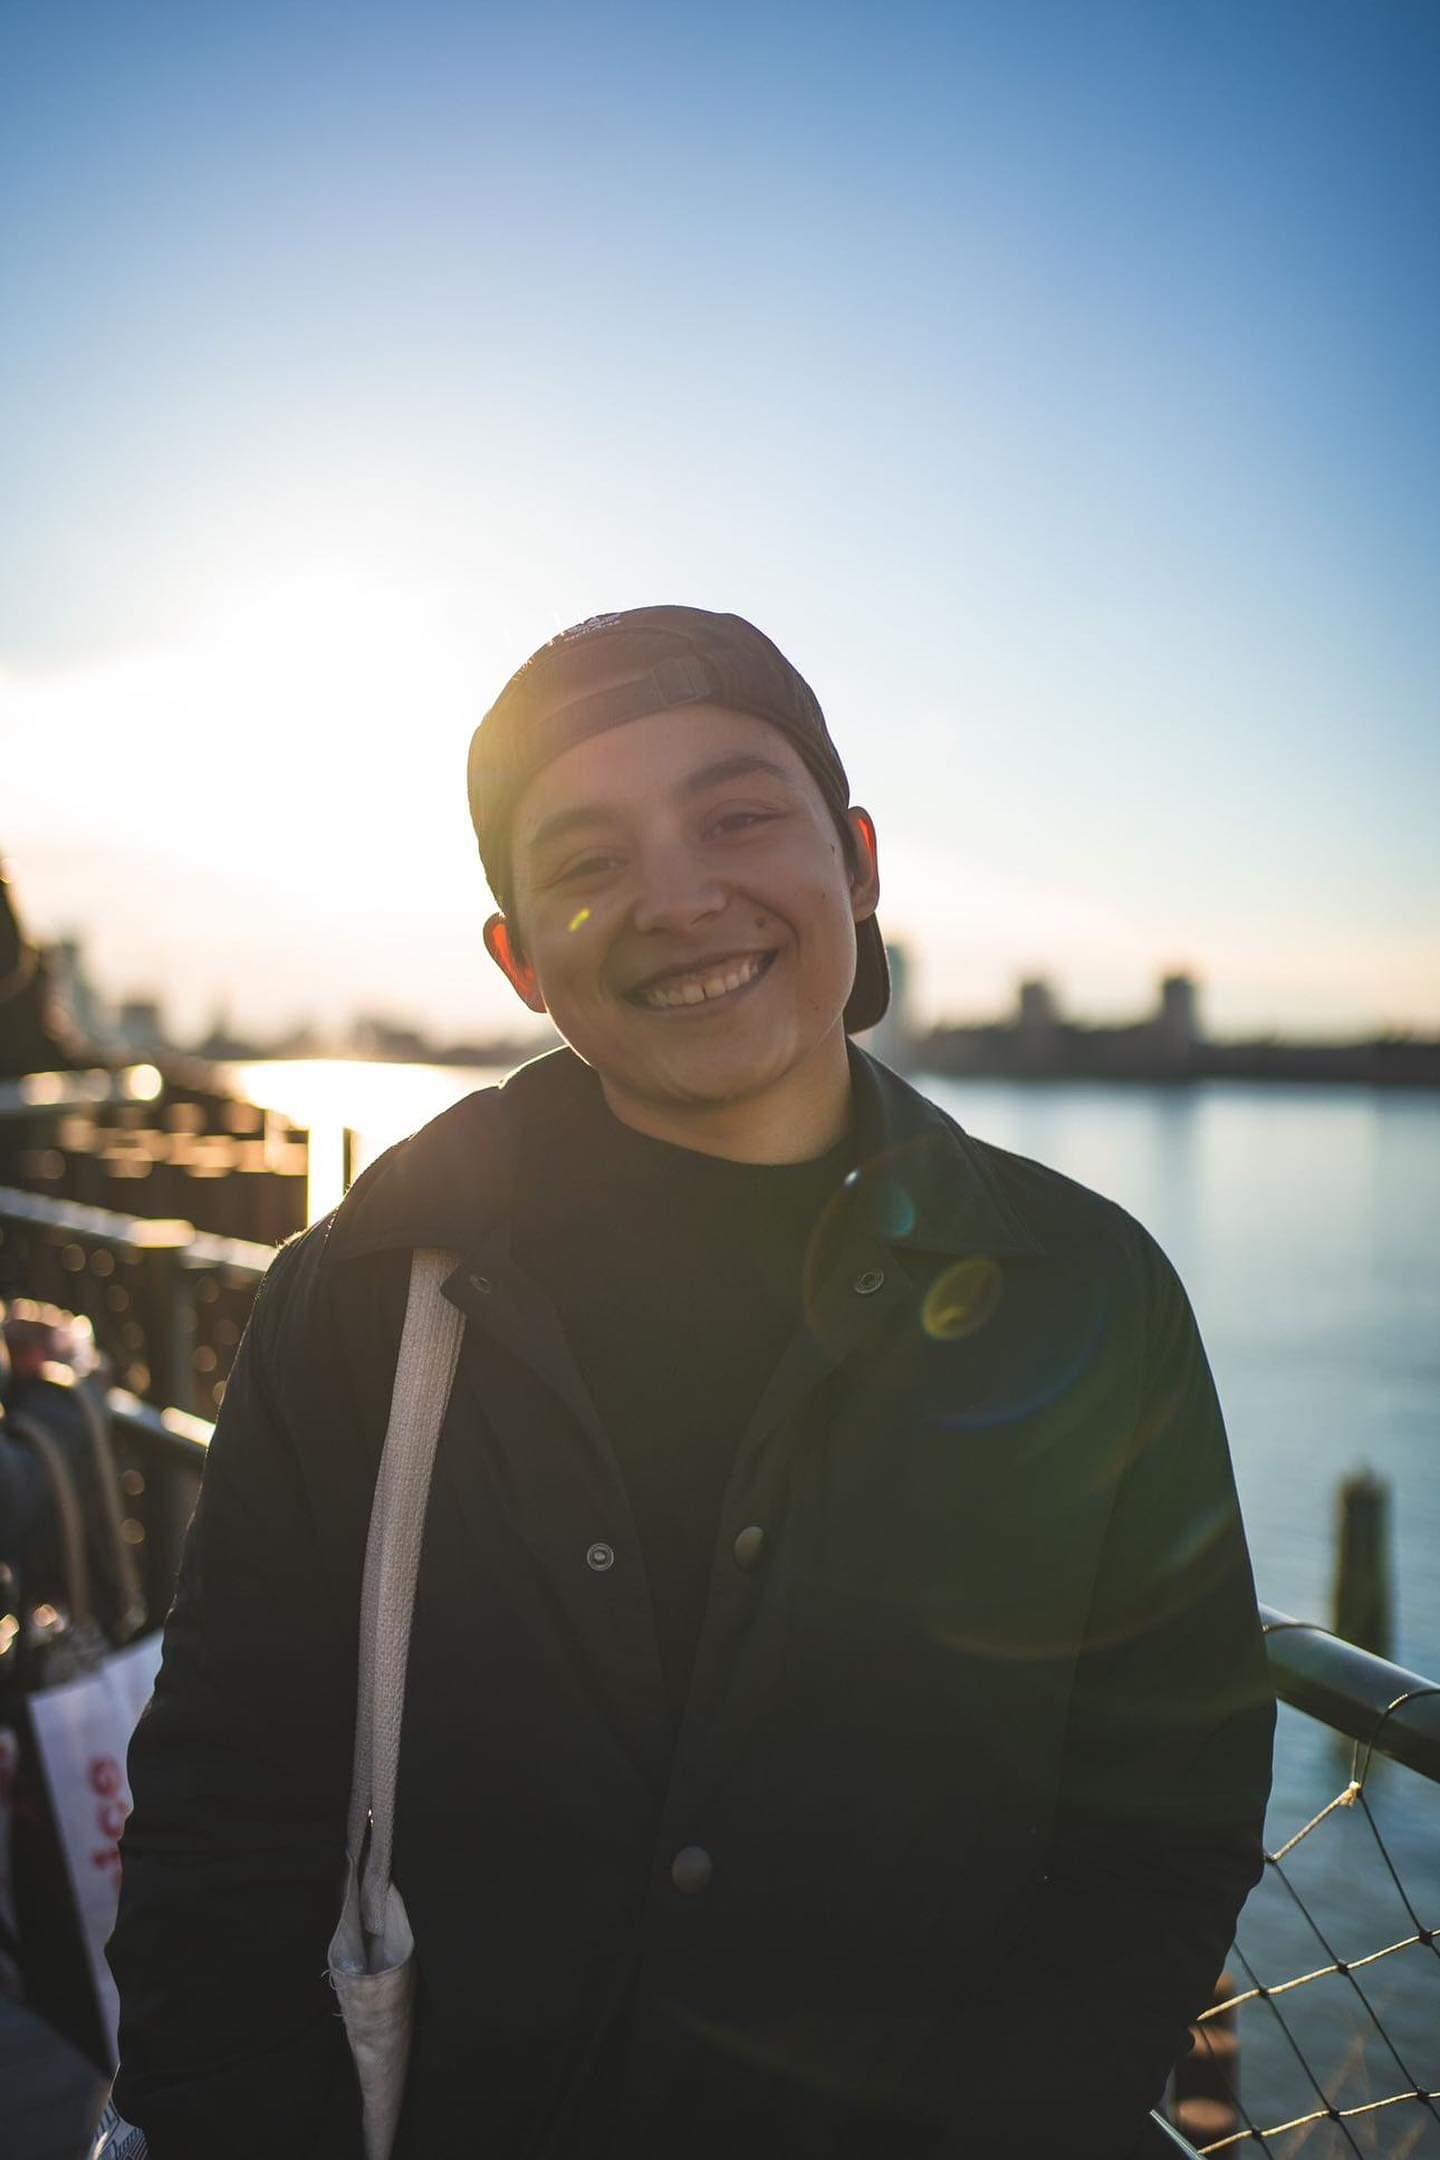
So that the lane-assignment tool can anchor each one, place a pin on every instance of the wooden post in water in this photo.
(1361, 1606)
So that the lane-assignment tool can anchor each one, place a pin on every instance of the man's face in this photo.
(683, 898)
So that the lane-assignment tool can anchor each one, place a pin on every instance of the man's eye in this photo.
(587, 866)
(738, 820)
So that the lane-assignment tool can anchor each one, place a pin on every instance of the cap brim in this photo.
(870, 996)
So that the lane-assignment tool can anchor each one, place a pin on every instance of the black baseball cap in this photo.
(614, 668)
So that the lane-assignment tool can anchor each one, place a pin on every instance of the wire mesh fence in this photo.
(1332, 1996)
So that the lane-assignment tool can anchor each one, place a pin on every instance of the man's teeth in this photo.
(695, 989)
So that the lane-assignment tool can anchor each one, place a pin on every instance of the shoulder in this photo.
(1112, 1255)
(953, 1186)
(1065, 1216)
(1081, 1231)
(324, 1328)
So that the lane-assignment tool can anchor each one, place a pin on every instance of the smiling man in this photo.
(836, 1720)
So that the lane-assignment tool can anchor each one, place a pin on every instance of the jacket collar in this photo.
(922, 1182)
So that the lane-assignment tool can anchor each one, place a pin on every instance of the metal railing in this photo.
(167, 1304)
(1381, 1707)
(168, 1140)
(1331, 1998)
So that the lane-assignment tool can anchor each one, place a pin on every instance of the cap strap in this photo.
(685, 680)
(680, 680)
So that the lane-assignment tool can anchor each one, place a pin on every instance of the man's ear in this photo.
(505, 952)
(865, 876)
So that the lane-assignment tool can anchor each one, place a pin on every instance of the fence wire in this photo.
(1339, 2035)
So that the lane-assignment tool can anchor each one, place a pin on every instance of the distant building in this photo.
(139, 1029)
(221, 1044)
(1038, 1014)
(1037, 1027)
(375, 1037)
(304, 1040)
(892, 1040)
(74, 990)
(1176, 1023)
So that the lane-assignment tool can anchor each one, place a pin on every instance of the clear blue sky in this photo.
(1056, 382)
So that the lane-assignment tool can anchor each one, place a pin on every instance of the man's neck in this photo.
(790, 1123)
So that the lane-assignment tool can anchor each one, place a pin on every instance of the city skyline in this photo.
(1038, 1011)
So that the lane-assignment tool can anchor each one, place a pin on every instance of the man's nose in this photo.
(677, 890)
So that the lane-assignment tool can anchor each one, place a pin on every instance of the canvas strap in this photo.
(424, 1371)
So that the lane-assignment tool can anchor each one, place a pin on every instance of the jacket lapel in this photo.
(917, 1192)
(916, 1205)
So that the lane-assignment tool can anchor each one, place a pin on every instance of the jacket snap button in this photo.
(867, 1284)
(748, 1547)
(691, 1869)
(480, 1284)
(600, 1556)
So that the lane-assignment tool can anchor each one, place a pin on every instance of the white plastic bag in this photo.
(82, 1731)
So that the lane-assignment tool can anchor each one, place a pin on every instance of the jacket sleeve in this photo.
(1165, 1777)
(230, 2040)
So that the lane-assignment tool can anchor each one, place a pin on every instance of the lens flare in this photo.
(892, 1210)
(579, 919)
(962, 1299)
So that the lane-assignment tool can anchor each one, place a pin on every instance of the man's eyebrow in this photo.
(562, 822)
(739, 766)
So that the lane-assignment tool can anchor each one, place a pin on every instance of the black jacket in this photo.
(978, 1742)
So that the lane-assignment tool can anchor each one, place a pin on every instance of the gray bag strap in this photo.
(424, 1372)
(74, 1560)
(70, 1513)
(95, 1411)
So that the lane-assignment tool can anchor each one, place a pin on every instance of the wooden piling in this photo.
(1361, 1605)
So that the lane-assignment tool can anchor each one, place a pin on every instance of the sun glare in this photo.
(378, 1103)
(277, 718)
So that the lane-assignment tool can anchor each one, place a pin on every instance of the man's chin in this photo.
(718, 1085)
(720, 1074)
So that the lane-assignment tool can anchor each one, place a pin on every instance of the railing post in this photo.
(170, 1327)
(164, 1456)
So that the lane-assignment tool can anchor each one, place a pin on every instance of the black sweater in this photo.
(678, 1278)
